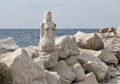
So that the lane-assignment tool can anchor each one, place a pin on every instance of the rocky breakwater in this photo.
(77, 59)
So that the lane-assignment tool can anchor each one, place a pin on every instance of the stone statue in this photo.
(47, 37)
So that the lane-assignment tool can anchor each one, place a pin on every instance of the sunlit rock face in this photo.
(118, 32)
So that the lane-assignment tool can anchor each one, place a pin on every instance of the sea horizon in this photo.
(27, 37)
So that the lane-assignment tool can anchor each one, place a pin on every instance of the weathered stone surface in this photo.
(106, 35)
(91, 52)
(103, 30)
(66, 75)
(49, 59)
(114, 81)
(113, 72)
(71, 60)
(118, 32)
(7, 45)
(89, 41)
(90, 79)
(93, 64)
(47, 37)
(113, 46)
(66, 46)
(76, 68)
(112, 40)
(32, 51)
(79, 72)
(21, 69)
(108, 57)
(52, 77)
(111, 29)
(105, 55)
(106, 30)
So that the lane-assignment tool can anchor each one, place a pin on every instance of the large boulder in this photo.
(118, 32)
(66, 75)
(105, 55)
(67, 46)
(76, 68)
(93, 64)
(89, 41)
(108, 57)
(114, 46)
(90, 79)
(50, 59)
(7, 45)
(19, 68)
(52, 77)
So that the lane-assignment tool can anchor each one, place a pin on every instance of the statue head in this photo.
(47, 15)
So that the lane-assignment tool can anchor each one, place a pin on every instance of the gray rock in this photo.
(52, 77)
(67, 46)
(32, 51)
(19, 68)
(66, 75)
(118, 31)
(105, 55)
(89, 41)
(90, 79)
(76, 68)
(93, 64)
(114, 81)
(7, 45)
(49, 59)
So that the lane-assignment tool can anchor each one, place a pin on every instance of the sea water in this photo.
(27, 37)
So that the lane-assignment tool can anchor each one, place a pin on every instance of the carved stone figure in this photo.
(47, 37)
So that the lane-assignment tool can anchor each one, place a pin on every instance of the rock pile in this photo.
(77, 59)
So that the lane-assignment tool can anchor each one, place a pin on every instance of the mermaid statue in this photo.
(47, 33)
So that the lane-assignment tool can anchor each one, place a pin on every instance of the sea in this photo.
(30, 37)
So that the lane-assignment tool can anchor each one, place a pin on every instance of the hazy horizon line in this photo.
(56, 28)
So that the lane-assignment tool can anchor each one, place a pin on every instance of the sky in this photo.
(66, 13)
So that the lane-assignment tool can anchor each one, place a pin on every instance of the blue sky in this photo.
(66, 13)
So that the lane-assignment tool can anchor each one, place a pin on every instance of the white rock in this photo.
(103, 29)
(90, 79)
(76, 68)
(93, 64)
(66, 46)
(105, 55)
(108, 57)
(71, 61)
(78, 71)
(106, 35)
(22, 69)
(114, 81)
(66, 75)
(118, 31)
(49, 59)
(114, 47)
(53, 77)
(107, 30)
(32, 51)
(7, 45)
(113, 72)
(89, 41)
